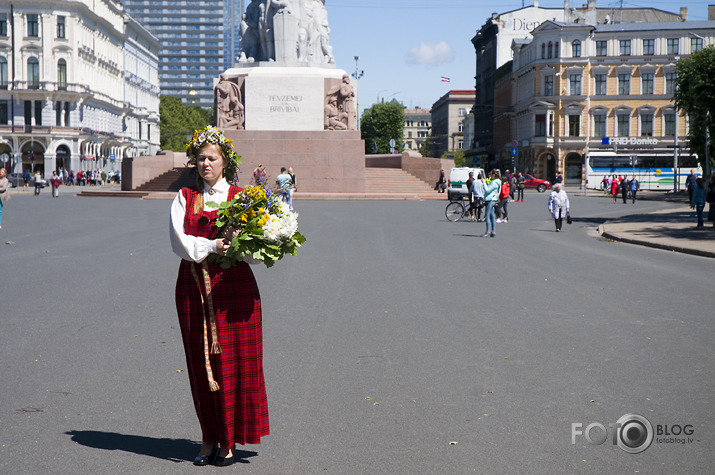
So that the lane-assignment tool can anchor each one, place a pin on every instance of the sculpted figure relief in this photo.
(340, 107)
(309, 42)
(229, 105)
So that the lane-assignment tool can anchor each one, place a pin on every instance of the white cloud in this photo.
(431, 54)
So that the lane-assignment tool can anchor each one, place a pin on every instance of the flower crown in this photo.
(213, 135)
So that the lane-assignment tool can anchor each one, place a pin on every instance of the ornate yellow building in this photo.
(581, 90)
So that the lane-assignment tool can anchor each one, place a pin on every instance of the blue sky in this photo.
(405, 46)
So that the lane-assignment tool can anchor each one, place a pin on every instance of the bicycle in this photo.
(456, 210)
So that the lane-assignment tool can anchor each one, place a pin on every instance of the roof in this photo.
(656, 26)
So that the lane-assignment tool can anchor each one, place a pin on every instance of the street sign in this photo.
(514, 151)
(514, 144)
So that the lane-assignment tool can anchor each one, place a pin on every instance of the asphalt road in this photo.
(396, 342)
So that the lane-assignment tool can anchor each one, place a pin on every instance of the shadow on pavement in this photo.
(175, 450)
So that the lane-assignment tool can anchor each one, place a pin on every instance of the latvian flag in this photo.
(444, 79)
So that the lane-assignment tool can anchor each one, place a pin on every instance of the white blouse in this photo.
(194, 248)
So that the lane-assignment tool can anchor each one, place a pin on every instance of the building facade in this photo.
(418, 124)
(448, 115)
(492, 44)
(196, 38)
(606, 87)
(65, 100)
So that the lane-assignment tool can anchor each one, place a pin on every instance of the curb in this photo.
(640, 242)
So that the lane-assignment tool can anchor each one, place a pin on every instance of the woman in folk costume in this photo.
(219, 309)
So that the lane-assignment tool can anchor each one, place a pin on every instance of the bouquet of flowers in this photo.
(260, 225)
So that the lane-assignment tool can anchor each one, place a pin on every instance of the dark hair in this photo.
(283, 169)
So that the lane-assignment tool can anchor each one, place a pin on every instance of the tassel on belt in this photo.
(205, 288)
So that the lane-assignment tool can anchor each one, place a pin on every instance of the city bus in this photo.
(653, 170)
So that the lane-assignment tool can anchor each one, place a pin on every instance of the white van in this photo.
(457, 183)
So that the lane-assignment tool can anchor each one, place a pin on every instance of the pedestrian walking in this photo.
(55, 182)
(558, 206)
(710, 198)
(477, 193)
(26, 176)
(219, 309)
(614, 187)
(690, 184)
(284, 183)
(624, 188)
(38, 183)
(520, 183)
(491, 196)
(4, 195)
(635, 187)
(501, 208)
(698, 201)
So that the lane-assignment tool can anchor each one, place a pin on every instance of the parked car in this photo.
(538, 183)
(457, 183)
(16, 179)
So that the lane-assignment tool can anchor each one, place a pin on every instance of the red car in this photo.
(539, 184)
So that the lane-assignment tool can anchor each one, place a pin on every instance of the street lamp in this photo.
(357, 75)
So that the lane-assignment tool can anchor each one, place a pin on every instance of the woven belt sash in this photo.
(205, 288)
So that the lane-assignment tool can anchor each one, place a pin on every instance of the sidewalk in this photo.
(672, 229)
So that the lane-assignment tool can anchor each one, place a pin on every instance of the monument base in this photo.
(326, 161)
(288, 98)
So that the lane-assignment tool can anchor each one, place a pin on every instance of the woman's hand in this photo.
(231, 232)
(222, 245)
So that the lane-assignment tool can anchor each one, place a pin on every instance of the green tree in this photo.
(695, 94)
(379, 124)
(425, 148)
(179, 120)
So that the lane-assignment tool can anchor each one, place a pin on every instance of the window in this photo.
(576, 49)
(38, 112)
(58, 114)
(624, 83)
(460, 144)
(601, 84)
(550, 50)
(61, 27)
(601, 48)
(3, 72)
(28, 112)
(574, 125)
(4, 117)
(462, 112)
(696, 44)
(549, 86)
(461, 127)
(670, 81)
(33, 25)
(648, 47)
(599, 125)
(540, 125)
(556, 49)
(672, 45)
(622, 125)
(625, 47)
(62, 74)
(33, 73)
(575, 81)
(3, 24)
(669, 124)
(67, 114)
(647, 83)
(543, 50)
(647, 125)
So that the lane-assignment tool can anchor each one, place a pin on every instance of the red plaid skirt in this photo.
(238, 411)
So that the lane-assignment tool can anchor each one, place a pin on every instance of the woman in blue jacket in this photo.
(491, 196)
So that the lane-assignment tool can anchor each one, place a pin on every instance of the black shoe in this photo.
(224, 461)
(200, 461)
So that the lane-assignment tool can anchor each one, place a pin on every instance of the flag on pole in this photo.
(444, 79)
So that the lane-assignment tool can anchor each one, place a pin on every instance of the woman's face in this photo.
(3, 173)
(210, 163)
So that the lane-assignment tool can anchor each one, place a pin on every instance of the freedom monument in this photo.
(284, 104)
